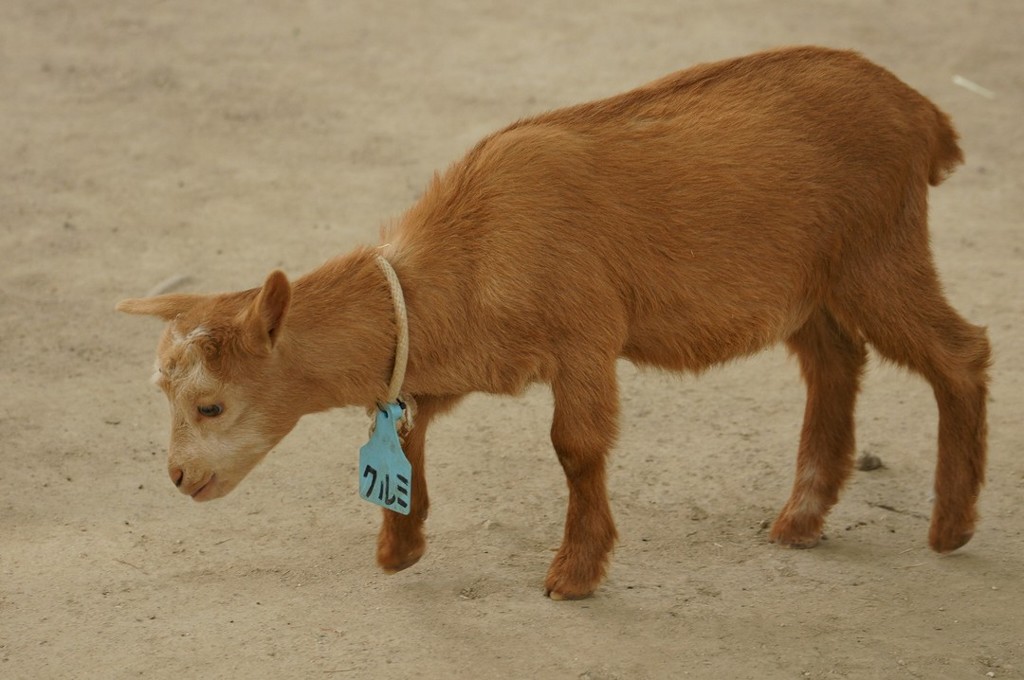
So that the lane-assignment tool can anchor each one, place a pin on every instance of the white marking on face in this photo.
(186, 372)
(199, 331)
(195, 378)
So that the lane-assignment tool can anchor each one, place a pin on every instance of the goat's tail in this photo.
(945, 153)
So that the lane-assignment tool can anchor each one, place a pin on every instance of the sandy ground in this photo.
(216, 140)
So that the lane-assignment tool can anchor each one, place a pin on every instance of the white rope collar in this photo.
(402, 345)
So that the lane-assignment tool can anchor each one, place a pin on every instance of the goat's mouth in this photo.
(207, 491)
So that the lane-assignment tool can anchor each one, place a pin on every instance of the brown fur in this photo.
(779, 197)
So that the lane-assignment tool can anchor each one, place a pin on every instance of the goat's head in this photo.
(219, 361)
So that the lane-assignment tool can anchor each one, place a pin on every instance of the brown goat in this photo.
(705, 216)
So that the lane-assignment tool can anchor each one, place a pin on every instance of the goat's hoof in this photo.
(559, 595)
(801, 543)
(793, 535)
(392, 560)
(560, 588)
(948, 541)
(950, 530)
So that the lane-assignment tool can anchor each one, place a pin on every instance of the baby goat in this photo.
(707, 215)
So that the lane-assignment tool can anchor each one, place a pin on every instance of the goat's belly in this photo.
(693, 342)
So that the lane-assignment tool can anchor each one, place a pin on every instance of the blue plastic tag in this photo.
(385, 475)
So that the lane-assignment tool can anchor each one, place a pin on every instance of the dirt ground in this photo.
(216, 140)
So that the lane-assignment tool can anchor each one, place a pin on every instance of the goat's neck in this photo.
(341, 330)
(340, 333)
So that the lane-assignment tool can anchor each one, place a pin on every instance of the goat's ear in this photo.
(167, 307)
(265, 317)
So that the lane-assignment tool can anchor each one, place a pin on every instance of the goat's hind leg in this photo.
(911, 323)
(583, 430)
(831, 363)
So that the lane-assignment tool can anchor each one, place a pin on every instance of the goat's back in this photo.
(712, 203)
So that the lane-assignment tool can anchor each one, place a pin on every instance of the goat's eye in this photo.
(210, 410)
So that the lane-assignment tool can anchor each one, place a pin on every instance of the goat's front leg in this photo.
(401, 543)
(583, 431)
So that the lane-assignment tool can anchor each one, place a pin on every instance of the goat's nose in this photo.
(177, 475)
